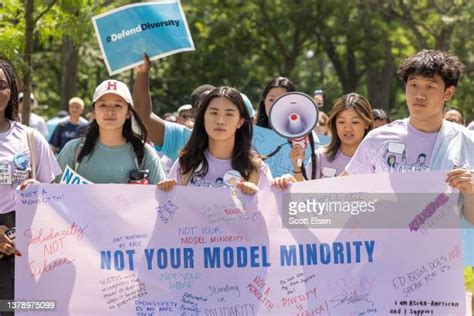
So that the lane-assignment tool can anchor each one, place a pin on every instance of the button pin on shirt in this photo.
(21, 161)
(232, 177)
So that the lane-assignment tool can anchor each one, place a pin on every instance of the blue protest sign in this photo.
(72, 177)
(157, 28)
(266, 141)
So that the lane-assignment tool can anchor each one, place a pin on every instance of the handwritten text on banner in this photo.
(134, 250)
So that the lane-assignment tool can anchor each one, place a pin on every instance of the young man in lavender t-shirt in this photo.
(423, 141)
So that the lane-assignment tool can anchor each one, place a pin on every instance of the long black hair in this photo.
(137, 140)
(244, 159)
(278, 82)
(11, 111)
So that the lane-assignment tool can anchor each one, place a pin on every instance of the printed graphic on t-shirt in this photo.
(69, 134)
(198, 181)
(15, 171)
(420, 164)
(395, 159)
(5, 173)
(19, 176)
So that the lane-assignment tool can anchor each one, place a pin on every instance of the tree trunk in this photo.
(69, 61)
(289, 66)
(350, 80)
(379, 81)
(28, 64)
(346, 71)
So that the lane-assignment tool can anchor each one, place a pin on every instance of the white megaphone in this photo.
(294, 115)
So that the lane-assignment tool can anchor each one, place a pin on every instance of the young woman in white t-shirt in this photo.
(17, 168)
(220, 148)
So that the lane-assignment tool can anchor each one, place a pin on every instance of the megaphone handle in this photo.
(302, 143)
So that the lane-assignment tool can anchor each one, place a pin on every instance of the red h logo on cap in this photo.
(111, 85)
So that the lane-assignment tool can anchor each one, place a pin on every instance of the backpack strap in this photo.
(77, 151)
(141, 166)
(30, 137)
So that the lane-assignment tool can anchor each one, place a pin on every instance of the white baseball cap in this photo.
(185, 107)
(114, 87)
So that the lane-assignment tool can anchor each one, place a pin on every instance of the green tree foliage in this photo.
(339, 46)
(433, 24)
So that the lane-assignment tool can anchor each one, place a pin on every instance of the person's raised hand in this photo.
(297, 152)
(145, 67)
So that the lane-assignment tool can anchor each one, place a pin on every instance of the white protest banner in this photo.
(135, 250)
(70, 176)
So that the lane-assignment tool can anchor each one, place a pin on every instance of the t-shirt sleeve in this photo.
(47, 167)
(153, 163)
(166, 162)
(174, 171)
(66, 156)
(176, 136)
(363, 160)
(265, 177)
(55, 138)
(43, 128)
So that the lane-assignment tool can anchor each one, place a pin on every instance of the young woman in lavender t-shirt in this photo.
(220, 145)
(349, 121)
